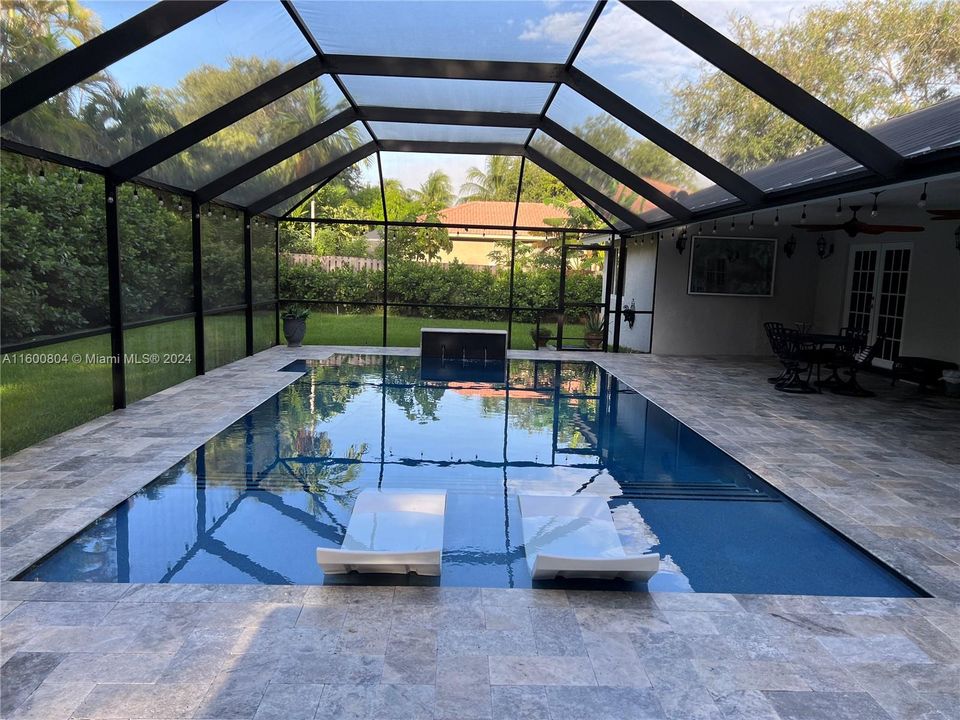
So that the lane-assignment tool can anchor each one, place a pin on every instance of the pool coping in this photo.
(130, 433)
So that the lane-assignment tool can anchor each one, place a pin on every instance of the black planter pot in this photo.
(294, 329)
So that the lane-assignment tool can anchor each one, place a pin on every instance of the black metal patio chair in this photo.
(857, 356)
(794, 354)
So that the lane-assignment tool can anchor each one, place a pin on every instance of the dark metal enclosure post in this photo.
(248, 279)
(653, 298)
(621, 274)
(607, 283)
(386, 236)
(563, 290)
(197, 285)
(276, 277)
(513, 253)
(115, 291)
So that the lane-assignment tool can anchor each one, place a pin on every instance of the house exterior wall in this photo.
(714, 325)
(931, 324)
(806, 289)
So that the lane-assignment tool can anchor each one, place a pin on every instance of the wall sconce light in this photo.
(790, 247)
(682, 241)
(630, 314)
(822, 250)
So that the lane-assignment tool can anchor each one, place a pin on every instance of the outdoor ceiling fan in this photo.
(855, 226)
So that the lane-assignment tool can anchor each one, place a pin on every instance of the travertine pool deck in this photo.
(885, 471)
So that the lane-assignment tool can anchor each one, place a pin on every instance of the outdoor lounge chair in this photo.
(390, 531)
(574, 537)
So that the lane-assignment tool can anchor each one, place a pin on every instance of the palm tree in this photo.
(498, 181)
(435, 193)
(309, 106)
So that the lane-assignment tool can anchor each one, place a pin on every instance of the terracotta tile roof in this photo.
(500, 212)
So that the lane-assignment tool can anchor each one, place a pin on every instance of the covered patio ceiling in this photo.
(443, 78)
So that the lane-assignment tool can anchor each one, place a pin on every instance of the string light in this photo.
(161, 200)
(839, 207)
(136, 194)
(750, 226)
(224, 215)
(179, 205)
(733, 223)
(79, 181)
(922, 203)
(700, 231)
(874, 211)
(803, 215)
(776, 219)
(236, 216)
(41, 176)
(714, 227)
(209, 210)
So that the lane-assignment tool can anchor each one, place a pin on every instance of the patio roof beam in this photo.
(757, 76)
(319, 175)
(448, 117)
(614, 169)
(443, 68)
(281, 152)
(660, 135)
(453, 148)
(205, 126)
(94, 55)
(579, 186)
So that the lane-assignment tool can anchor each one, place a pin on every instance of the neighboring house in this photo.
(472, 245)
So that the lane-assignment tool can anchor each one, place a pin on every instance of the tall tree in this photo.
(869, 61)
(496, 181)
(435, 192)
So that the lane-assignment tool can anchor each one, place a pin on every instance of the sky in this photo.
(623, 52)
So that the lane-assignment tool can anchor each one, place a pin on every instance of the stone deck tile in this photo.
(364, 652)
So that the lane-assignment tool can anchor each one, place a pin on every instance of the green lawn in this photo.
(367, 329)
(38, 400)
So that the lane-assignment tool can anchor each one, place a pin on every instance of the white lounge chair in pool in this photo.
(574, 537)
(390, 531)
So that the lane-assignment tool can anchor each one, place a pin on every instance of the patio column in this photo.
(248, 279)
(197, 285)
(115, 293)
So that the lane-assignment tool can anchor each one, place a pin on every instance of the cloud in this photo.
(560, 27)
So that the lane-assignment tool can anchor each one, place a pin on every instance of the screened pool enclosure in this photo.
(155, 154)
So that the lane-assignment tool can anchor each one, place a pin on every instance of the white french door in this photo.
(876, 296)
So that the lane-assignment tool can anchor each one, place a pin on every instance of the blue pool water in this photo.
(253, 503)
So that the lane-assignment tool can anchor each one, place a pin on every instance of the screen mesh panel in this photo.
(493, 30)
(253, 135)
(167, 84)
(35, 34)
(822, 50)
(299, 165)
(448, 94)
(448, 133)
(675, 86)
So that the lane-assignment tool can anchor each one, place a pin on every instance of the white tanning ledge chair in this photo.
(574, 537)
(390, 531)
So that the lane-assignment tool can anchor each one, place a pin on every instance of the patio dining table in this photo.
(820, 342)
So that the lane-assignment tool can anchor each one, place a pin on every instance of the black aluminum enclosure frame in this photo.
(881, 165)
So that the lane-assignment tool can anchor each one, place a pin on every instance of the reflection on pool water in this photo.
(253, 503)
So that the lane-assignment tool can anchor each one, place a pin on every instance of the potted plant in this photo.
(593, 329)
(295, 324)
(540, 336)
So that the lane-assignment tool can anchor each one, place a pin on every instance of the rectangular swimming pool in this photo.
(253, 503)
